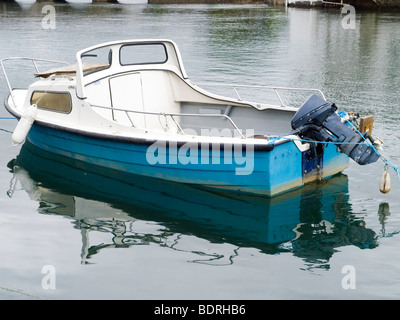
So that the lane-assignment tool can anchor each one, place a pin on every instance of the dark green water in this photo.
(108, 237)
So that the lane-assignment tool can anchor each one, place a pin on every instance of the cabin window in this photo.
(56, 101)
(147, 53)
(96, 60)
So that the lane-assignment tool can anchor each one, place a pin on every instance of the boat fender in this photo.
(24, 125)
(384, 183)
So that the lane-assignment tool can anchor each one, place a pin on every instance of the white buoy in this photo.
(384, 183)
(24, 125)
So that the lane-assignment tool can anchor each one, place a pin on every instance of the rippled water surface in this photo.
(109, 237)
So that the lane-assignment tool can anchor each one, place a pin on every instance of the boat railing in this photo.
(276, 90)
(35, 66)
(173, 115)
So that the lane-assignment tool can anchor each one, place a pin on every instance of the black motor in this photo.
(317, 120)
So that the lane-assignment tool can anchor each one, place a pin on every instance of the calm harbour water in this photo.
(107, 237)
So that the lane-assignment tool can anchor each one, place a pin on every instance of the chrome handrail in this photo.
(33, 60)
(275, 89)
(172, 115)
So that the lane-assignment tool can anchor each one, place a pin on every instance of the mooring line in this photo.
(20, 292)
(5, 130)
(383, 158)
(6, 118)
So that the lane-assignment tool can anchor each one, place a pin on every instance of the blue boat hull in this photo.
(264, 172)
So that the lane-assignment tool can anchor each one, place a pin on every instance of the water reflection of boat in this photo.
(310, 222)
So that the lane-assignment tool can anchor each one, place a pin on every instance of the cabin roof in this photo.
(70, 70)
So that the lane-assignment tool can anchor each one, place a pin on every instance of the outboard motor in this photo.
(317, 120)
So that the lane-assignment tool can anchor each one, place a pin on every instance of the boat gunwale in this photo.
(138, 140)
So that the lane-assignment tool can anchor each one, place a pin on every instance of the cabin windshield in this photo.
(100, 57)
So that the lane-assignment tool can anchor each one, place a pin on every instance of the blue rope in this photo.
(6, 118)
(386, 161)
(5, 130)
(274, 139)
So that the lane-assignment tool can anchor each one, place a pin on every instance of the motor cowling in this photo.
(317, 120)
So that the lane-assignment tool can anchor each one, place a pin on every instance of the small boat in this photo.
(129, 106)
